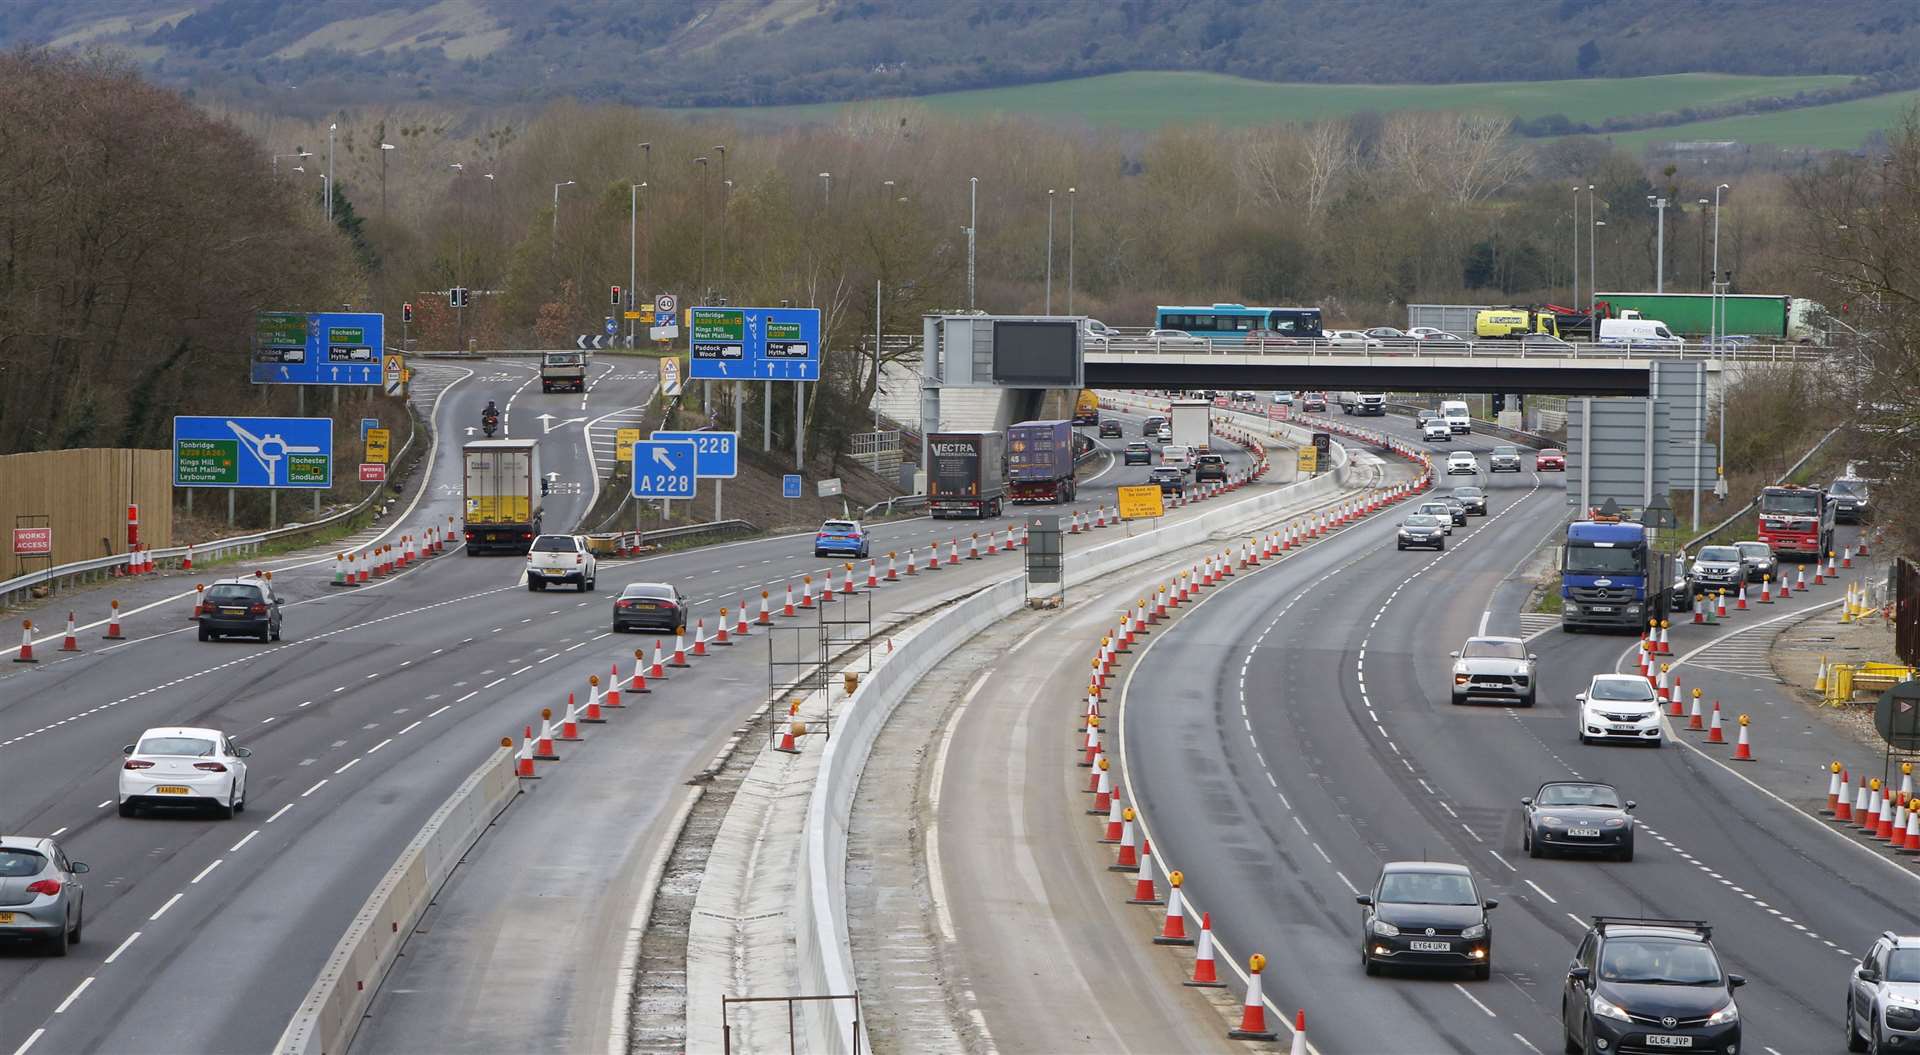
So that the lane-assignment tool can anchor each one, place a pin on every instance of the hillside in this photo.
(490, 52)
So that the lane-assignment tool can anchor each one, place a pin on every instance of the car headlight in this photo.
(1552, 822)
(1385, 929)
(1604, 1008)
(1571, 607)
(1404, 533)
(1615, 822)
(1729, 1013)
(1478, 930)
(1461, 679)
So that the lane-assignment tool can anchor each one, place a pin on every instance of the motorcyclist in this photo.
(490, 417)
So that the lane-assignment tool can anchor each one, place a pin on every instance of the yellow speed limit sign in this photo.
(1309, 460)
(623, 441)
(377, 445)
(1141, 501)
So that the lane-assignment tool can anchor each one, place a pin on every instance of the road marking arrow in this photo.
(547, 422)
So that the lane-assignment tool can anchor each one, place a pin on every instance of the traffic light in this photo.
(1499, 402)
(457, 297)
(615, 299)
(406, 312)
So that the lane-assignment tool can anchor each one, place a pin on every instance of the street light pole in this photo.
(1593, 269)
(633, 251)
(553, 237)
(1049, 310)
(1719, 323)
(1575, 298)
(331, 129)
(384, 147)
(973, 227)
(826, 193)
(1660, 245)
(1069, 250)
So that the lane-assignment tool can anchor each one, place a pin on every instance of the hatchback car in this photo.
(1137, 453)
(1209, 467)
(1283, 399)
(1434, 507)
(1423, 530)
(1474, 498)
(1618, 707)
(1549, 460)
(1759, 559)
(248, 605)
(1576, 816)
(1151, 426)
(1429, 335)
(1883, 996)
(841, 536)
(1350, 339)
(1649, 985)
(649, 605)
(1314, 403)
(1504, 459)
(1171, 480)
(561, 558)
(184, 767)
(40, 900)
(1462, 463)
(1426, 914)
(1389, 335)
(1494, 667)
(1163, 432)
(1110, 427)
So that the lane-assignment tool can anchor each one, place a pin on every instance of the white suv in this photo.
(1883, 997)
(1462, 463)
(1619, 707)
(561, 558)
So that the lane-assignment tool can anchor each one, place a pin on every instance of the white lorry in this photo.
(1365, 404)
(1193, 425)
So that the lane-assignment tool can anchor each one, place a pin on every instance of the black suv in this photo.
(1426, 914)
(1209, 467)
(1171, 480)
(1137, 453)
(1638, 985)
(246, 605)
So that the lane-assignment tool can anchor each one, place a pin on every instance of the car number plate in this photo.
(172, 789)
(6, 917)
(1668, 1040)
(648, 607)
(1600, 608)
(233, 611)
(1622, 729)
(1432, 946)
(1584, 833)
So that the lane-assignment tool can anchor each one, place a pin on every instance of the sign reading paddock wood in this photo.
(1140, 502)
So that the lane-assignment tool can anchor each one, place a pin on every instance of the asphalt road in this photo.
(1323, 744)
(376, 704)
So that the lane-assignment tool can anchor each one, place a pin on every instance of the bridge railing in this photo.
(1499, 350)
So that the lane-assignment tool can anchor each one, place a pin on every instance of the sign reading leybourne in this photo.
(252, 452)
(755, 344)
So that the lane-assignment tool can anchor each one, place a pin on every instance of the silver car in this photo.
(1494, 666)
(1717, 568)
(1883, 996)
(40, 900)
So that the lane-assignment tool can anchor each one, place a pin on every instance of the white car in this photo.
(1283, 399)
(1495, 666)
(1437, 431)
(1462, 463)
(1432, 333)
(180, 766)
(561, 558)
(1349, 339)
(1439, 511)
(1164, 433)
(1619, 707)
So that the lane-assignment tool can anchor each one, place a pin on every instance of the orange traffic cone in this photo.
(70, 643)
(1253, 1011)
(1143, 889)
(720, 637)
(113, 624)
(1714, 734)
(1694, 722)
(1204, 975)
(638, 683)
(1843, 806)
(700, 637)
(570, 721)
(764, 618)
(1174, 930)
(1742, 752)
(1120, 833)
(679, 649)
(26, 643)
(523, 762)
(543, 747)
(659, 669)
(1833, 790)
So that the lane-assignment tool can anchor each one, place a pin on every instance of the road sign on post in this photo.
(755, 344)
(373, 472)
(790, 485)
(393, 368)
(1137, 502)
(717, 454)
(253, 452)
(670, 375)
(318, 348)
(33, 542)
(377, 445)
(664, 469)
(665, 322)
(623, 441)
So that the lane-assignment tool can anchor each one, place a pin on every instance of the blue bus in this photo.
(1233, 322)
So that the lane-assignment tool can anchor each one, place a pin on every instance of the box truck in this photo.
(1193, 425)
(966, 474)
(1040, 461)
(503, 489)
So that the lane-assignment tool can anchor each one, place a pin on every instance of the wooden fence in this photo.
(83, 496)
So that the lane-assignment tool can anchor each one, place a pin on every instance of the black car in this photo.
(1649, 985)
(1137, 453)
(1151, 427)
(1849, 496)
(1171, 480)
(246, 606)
(1209, 467)
(1576, 816)
(1422, 530)
(1474, 498)
(1426, 914)
(1110, 427)
(655, 605)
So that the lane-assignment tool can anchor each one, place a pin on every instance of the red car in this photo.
(1549, 460)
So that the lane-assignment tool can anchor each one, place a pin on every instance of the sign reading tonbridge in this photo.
(755, 344)
(252, 452)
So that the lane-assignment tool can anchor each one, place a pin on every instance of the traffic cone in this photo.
(186, 564)
(543, 747)
(1144, 892)
(1846, 557)
(912, 562)
(1666, 647)
(638, 683)
(679, 649)
(1833, 570)
(789, 739)
(806, 591)
(1093, 741)
(1741, 604)
(953, 551)
(659, 669)
(786, 610)
(893, 570)
(26, 643)
(1120, 831)
(1895, 830)
(1299, 1032)
(1174, 930)
(1695, 722)
(1103, 794)
(766, 619)
(847, 589)
(1786, 589)
(1869, 818)
(1720, 604)
(1843, 807)
(1858, 815)
(1714, 734)
(1766, 589)
(741, 628)
(113, 624)
(70, 643)
(1204, 975)
(1800, 579)
(1253, 1010)
(523, 762)
(699, 637)
(1910, 839)
(1741, 751)
(973, 547)
(1833, 790)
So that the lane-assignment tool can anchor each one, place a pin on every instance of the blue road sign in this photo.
(790, 485)
(755, 344)
(252, 452)
(612, 326)
(318, 348)
(365, 424)
(716, 454)
(664, 469)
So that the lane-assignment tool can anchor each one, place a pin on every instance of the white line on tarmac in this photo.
(123, 948)
(204, 871)
(75, 995)
(163, 909)
(1474, 1000)
(250, 837)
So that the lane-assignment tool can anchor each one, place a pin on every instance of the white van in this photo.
(1454, 412)
(1638, 332)
(1177, 455)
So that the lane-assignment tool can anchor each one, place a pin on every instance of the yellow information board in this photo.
(623, 441)
(377, 445)
(1142, 501)
(1309, 460)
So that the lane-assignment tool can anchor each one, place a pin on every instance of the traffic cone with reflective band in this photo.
(679, 649)
(1843, 807)
(592, 713)
(1800, 579)
(1740, 605)
(1695, 721)
(570, 721)
(1895, 830)
(1144, 892)
(700, 637)
(1833, 570)
(1700, 607)
(1909, 841)
(893, 570)
(70, 643)
(790, 737)
(1720, 604)
(953, 551)
(1860, 799)
(1253, 1010)
(1666, 648)
(26, 643)
(1299, 1032)
(1714, 733)
(1093, 741)
(1174, 930)
(741, 627)
(1204, 974)
(913, 566)
(1869, 820)
(523, 762)
(1846, 557)
(786, 610)
(1742, 752)
(1766, 589)
(1662, 691)
(1103, 792)
(659, 669)
(543, 747)
(1119, 830)
(638, 683)
(1675, 709)
(765, 618)
(1819, 573)
(847, 589)
(1833, 790)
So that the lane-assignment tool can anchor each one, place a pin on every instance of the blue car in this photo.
(840, 536)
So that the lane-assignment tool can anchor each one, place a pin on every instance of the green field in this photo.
(1839, 126)
(1149, 99)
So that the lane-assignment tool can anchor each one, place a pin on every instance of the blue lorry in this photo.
(1611, 578)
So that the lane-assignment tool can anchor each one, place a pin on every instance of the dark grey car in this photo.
(247, 606)
(40, 900)
(1474, 498)
(1504, 459)
(1426, 914)
(1574, 816)
(649, 605)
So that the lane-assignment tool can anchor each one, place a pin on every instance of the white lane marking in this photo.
(350, 764)
(1502, 860)
(75, 995)
(35, 1035)
(1531, 1048)
(245, 841)
(462, 699)
(443, 707)
(313, 789)
(1485, 616)
(269, 721)
(1018, 645)
(381, 744)
(1348, 882)
(408, 729)
(1475, 1001)
(123, 948)
(1536, 889)
(204, 871)
(278, 812)
(162, 910)
(56, 833)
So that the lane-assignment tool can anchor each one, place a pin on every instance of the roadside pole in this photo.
(800, 425)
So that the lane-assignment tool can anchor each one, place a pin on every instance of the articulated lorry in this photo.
(1764, 317)
(1192, 424)
(1040, 461)
(966, 474)
(503, 489)
(1611, 578)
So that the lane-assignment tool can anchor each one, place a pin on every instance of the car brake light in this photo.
(49, 887)
(526, 535)
(258, 609)
(469, 535)
(137, 763)
(211, 767)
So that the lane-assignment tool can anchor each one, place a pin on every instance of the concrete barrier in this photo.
(333, 1009)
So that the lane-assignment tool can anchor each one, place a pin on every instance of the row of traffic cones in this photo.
(1876, 811)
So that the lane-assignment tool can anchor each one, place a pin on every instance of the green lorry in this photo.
(1764, 317)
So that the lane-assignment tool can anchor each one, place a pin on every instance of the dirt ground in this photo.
(1798, 652)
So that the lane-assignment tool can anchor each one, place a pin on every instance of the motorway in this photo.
(377, 703)
(1323, 743)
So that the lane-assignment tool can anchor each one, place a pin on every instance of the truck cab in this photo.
(563, 371)
(1610, 578)
(1365, 404)
(1797, 521)
(1503, 323)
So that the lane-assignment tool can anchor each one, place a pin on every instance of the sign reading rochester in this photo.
(252, 452)
(755, 344)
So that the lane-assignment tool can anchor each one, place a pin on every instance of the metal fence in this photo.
(879, 452)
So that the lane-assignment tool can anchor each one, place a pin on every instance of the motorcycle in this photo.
(488, 423)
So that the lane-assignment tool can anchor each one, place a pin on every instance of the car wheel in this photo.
(1584, 740)
(240, 804)
(1534, 849)
(276, 631)
(1441, 547)
(1855, 1042)
(1372, 968)
(532, 586)
(204, 635)
(57, 945)
(1483, 972)
(588, 585)
(126, 809)
(1570, 1043)
(1626, 852)
(73, 936)
(266, 635)
(224, 810)
(819, 553)
(1458, 699)
(1401, 546)
(1527, 700)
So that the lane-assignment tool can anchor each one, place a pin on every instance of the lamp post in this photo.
(1575, 298)
(1593, 269)
(1718, 312)
(384, 147)
(328, 187)
(703, 161)
(1069, 250)
(553, 237)
(633, 254)
(1659, 205)
(1049, 310)
(826, 189)
(973, 226)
